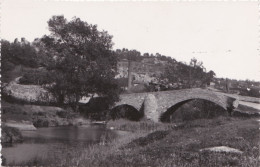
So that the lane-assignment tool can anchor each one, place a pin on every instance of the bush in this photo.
(254, 92)
(96, 108)
(125, 111)
(10, 135)
(41, 123)
(35, 77)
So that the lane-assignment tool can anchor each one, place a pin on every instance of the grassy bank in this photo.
(157, 144)
(39, 116)
(141, 126)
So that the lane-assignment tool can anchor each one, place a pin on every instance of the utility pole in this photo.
(227, 85)
(189, 77)
(129, 74)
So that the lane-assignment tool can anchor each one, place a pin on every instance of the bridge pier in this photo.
(150, 108)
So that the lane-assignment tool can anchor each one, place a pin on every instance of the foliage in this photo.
(181, 75)
(35, 77)
(96, 108)
(132, 55)
(242, 87)
(10, 135)
(135, 55)
(253, 92)
(185, 76)
(82, 62)
(122, 82)
(18, 53)
(126, 112)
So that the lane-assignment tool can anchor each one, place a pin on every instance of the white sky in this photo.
(224, 35)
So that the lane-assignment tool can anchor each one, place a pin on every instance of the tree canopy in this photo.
(82, 60)
(19, 52)
(187, 76)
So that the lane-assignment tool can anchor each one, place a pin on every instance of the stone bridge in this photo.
(154, 104)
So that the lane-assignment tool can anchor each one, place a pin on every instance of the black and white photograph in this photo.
(130, 83)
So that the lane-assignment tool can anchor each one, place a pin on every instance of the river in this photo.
(55, 140)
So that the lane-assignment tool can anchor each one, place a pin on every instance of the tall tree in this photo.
(82, 60)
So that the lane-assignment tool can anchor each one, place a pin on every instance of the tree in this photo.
(82, 61)
(188, 76)
(176, 73)
(19, 53)
(209, 77)
(6, 64)
(131, 55)
(16, 53)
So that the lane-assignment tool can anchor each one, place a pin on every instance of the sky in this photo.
(223, 35)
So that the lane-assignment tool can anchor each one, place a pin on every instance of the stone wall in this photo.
(29, 93)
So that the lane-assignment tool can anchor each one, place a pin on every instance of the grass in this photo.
(17, 71)
(157, 144)
(180, 146)
(141, 126)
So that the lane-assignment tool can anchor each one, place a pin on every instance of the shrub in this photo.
(35, 77)
(10, 135)
(96, 108)
(125, 111)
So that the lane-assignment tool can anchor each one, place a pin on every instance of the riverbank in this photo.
(39, 116)
(157, 144)
(29, 117)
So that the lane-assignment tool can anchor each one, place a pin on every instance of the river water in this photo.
(55, 140)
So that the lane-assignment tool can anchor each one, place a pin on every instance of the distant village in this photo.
(146, 71)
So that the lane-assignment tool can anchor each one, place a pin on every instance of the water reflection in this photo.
(54, 140)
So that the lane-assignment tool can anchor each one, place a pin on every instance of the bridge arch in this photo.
(125, 111)
(165, 116)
